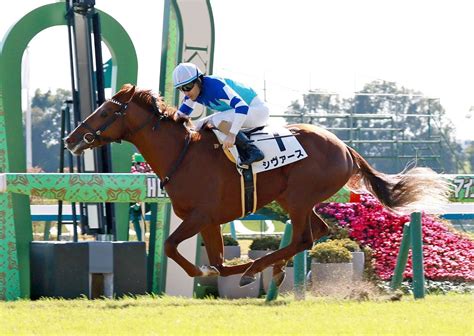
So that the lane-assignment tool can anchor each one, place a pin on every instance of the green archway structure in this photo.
(16, 230)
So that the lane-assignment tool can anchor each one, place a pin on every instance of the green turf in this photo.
(434, 315)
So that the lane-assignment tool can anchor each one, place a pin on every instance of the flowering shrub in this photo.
(265, 243)
(237, 261)
(331, 251)
(140, 167)
(229, 241)
(447, 255)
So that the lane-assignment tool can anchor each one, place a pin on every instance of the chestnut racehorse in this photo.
(204, 186)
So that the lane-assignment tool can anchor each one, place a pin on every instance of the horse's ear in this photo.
(128, 90)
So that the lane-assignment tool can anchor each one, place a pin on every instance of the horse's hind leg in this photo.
(212, 237)
(319, 228)
(279, 273)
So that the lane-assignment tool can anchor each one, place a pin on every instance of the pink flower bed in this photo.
(140, 167)
(447, 255)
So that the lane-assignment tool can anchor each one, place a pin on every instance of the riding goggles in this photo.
(187, 87)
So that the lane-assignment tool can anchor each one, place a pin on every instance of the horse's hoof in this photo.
(247, 280)
(209, 271)
(279, 278)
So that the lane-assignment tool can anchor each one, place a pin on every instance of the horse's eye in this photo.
(103, 113)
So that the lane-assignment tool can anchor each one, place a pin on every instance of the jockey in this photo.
(237, 106)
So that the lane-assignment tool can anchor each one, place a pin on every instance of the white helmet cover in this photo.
(185, 73)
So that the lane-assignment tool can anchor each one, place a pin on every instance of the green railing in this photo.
(130, 188)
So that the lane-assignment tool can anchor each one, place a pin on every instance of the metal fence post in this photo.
(402, 257)
(417, 256)
(233, 234)
(285, 240)
(299, 262)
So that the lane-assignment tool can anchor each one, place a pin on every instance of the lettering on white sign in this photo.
(153, 189)
(463, 183)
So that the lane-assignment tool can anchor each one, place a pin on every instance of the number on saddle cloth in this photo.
(278, 143)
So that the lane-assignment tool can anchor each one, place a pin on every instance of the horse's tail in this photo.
(411, 190)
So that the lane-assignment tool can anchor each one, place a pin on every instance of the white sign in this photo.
(198, 39)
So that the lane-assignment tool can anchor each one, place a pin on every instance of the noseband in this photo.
(93, 135)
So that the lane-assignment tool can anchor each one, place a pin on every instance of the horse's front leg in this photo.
(212, 237)
(301, 240)
(190, 226)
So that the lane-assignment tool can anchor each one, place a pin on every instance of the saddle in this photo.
(280, 148)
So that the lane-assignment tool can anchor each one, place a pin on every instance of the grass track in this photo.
(435, 315)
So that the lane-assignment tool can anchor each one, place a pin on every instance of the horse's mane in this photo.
(145, 98)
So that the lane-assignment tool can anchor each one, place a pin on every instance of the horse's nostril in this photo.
(67, 140)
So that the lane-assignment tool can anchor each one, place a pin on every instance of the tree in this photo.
(388, 124)
(46, 124)
(469, 158)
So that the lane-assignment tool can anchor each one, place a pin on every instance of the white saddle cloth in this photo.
(278, 144)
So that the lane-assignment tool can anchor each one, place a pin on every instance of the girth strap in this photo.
(249, 196)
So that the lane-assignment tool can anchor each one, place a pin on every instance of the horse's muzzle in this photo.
(76, 148)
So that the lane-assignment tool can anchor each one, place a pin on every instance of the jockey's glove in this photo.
(182, 115)
(198, 125)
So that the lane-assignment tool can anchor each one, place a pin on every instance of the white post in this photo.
(3, 183)
(178, 282)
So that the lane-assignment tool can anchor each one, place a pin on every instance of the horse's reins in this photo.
(97, 134)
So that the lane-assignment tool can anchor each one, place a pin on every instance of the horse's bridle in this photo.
(94, 135)
(97, 134)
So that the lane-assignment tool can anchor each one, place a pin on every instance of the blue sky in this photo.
(336, 45)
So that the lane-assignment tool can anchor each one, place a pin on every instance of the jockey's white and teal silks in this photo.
(223, 94)
(257, 116)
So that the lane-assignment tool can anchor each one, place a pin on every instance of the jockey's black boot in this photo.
(250, 151)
